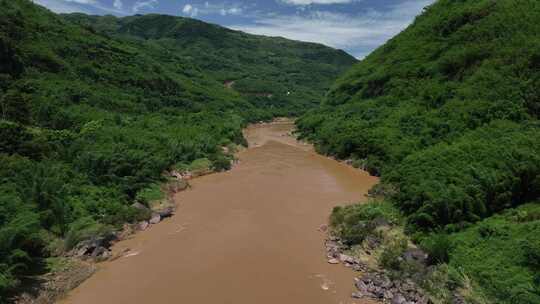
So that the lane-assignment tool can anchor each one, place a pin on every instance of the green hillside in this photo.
(91, 119)
(459, 89)
(447, 113)
(272, 73)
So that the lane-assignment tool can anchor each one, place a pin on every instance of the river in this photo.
(246, 236)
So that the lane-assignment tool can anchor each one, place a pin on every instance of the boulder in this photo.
(357, 295)
(346, 259)
(92, 245)
(398, 299)
(385, 282)
(333, 261)
(359, 267)
(408, 285)
(156, 218)
(361, 286)
(101, 254)
(143, 225)
(139, 206)
(165, 212)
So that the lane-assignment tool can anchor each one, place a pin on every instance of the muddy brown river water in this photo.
(247, 236)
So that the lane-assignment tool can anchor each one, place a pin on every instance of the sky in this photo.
(356, 26)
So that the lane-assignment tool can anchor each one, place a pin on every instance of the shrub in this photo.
(390, 258)
(355, 222)
(84, 229)
(150, 194)
(438, 247)
(531, 250)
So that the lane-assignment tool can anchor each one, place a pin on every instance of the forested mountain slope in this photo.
(90, 121)
(453, 99)
(447, 113)
(270, 72)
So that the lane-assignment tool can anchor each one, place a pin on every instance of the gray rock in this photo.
(156, 218)
(333, 261)
(359, 267)
(140, 206)
(98, 251)
(143, 225)
(346, 259)
(323, 228)
(398, 299)
(361, 286)
(166, 212)
(407, 286)
(88, 247)
(357, 295)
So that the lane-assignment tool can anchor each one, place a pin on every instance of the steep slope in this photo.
(447, 113)
(270, 72)
(462, 66)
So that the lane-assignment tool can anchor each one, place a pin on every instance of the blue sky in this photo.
(357, 26)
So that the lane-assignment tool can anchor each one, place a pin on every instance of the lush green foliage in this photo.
(497, 258)
(354, 223)
(282, 76)
(90, 119)
(490, 169)
(446, 112)
(502, 254)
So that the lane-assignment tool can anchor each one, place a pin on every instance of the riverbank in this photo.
(69, 268)
(277, 169)
(250, 234)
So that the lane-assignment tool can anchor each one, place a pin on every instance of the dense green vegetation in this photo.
(447, 113)
(493, 261)
(502, 254)
(91, 119)
(283, 76)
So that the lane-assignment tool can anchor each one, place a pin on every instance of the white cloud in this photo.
(147, 4)
(211, 9)
(118, 4)
(362, 32)
(83, 6)
(230, 11)
(82, 1)
(308, 2)
(190, 10)
(187, 9)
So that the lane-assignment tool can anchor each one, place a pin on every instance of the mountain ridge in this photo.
(231, 55)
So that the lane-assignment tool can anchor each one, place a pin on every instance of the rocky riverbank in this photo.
(374, 283)
(79, 263)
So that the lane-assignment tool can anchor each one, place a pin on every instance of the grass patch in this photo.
(150, 194)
